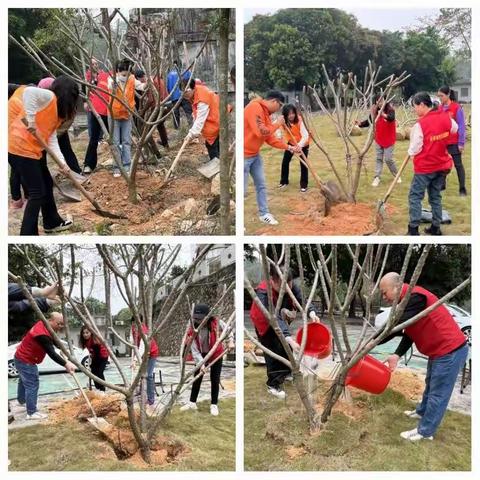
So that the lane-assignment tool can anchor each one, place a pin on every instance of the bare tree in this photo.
(138, 271)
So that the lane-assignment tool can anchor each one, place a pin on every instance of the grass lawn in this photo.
(280, 200)
(75, 446)
(277, 438)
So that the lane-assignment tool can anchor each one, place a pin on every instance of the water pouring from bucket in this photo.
(318, 345)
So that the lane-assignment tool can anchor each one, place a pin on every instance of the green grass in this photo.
(74, 446)
(371, 443)
(279, 200)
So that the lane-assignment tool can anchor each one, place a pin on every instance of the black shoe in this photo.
(413, 231)
(462, 192)
(65, 225)
(433, 230)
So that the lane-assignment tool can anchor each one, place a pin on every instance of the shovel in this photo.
(71, 195)
(72, 178)
(177, 158)
(380, 213)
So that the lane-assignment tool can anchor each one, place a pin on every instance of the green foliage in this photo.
(123, 316)
(18, 265)
(95, 307)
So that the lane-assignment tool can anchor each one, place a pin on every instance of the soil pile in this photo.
(295, 452)
(409, 383)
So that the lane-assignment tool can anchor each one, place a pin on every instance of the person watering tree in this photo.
(277, 371)
(456, 141)
(201, 344)
(438, 337)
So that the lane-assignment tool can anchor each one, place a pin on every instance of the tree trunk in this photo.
(312, 415)
(143, 443)
(132, 190)
(333, 395)
(224, 14)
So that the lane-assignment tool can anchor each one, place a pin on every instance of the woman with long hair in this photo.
(44, 110)
(98, 354)
(456, 141)
(295, 133)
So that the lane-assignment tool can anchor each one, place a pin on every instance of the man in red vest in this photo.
(429, 139)
(277, 371)
(32, 350)
(438, 337)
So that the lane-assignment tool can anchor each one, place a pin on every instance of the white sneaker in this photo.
(189, 406)
(37, 416)
(289, 378)
(87, 170)
(399, 180)
(412, 414)
(376, 182)
(116, 174)
(414, 436)
(214, 410)
(276, 392)
(269, 219)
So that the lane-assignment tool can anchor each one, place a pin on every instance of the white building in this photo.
(463, 81)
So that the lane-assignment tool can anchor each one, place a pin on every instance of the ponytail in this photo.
(448, 91)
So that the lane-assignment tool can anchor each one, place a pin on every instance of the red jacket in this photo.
(137, 338)
(95, 348)
(213, 327)
(437, 333)
(30, 351)
(436, 126)
(452, 110)
(385, 132)
(96, 96)
(259, 320)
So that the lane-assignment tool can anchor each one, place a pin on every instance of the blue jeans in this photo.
(28, 385)
(122, 139)
(433, 184)
(254, 167)
(151, 380)
(440, 381)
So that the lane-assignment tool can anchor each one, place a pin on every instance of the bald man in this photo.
(32, 350)
(438, 337)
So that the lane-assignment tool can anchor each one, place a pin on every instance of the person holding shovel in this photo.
(385, 137)
(202, 342)
(456, 141)
(294, 133)
(37, 343)
(438, 337)
(277, 371)
(259, 129)
(44, 111)
(98, 354)
(206, 114)
(429, 139)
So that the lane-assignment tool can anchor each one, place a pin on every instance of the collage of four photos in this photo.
(132, 343)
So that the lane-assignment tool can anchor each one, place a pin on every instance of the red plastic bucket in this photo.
(369, 374)
(319, 340)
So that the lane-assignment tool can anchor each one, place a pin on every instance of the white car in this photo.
(48, 365)
(462, 317)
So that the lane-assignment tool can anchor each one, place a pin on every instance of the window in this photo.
(464, 92)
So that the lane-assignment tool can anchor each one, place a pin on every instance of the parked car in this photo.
(48, 365)
(461, 316)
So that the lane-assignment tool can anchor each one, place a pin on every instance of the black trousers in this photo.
(97, 366)
(186, 106)
(95, 136)
(36, 179)
(287, 157)
(68, 153)
(457, 160)
(215, 373)
(16, 183)
(276, 370)
(213, 149)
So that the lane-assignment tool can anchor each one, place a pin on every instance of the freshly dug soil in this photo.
(306, 218)
(295, 452)
(409, 383)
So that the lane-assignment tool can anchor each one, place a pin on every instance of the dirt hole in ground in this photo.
(306, 217)
(115, 429)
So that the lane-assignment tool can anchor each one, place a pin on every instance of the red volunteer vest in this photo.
(437, 333)
(93, 349)
(213, 326)
(385, 132)
(436, 126)
(452, 110)
(137, 339)
(256, 315)
(30, 351)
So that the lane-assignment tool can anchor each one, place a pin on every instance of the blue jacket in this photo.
(172, 79)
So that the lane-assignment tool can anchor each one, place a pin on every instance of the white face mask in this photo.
(122, 76)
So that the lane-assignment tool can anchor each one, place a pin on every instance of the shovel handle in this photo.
(61, 164)
(397, 176)
(182, 148)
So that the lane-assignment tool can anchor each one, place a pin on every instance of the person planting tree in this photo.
(259, 129)
(385, 137)
(429, 139)
(436, 336)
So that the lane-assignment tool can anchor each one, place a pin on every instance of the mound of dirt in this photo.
(295, 452)
(409, 383)
(306, 218)
(104, 406)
